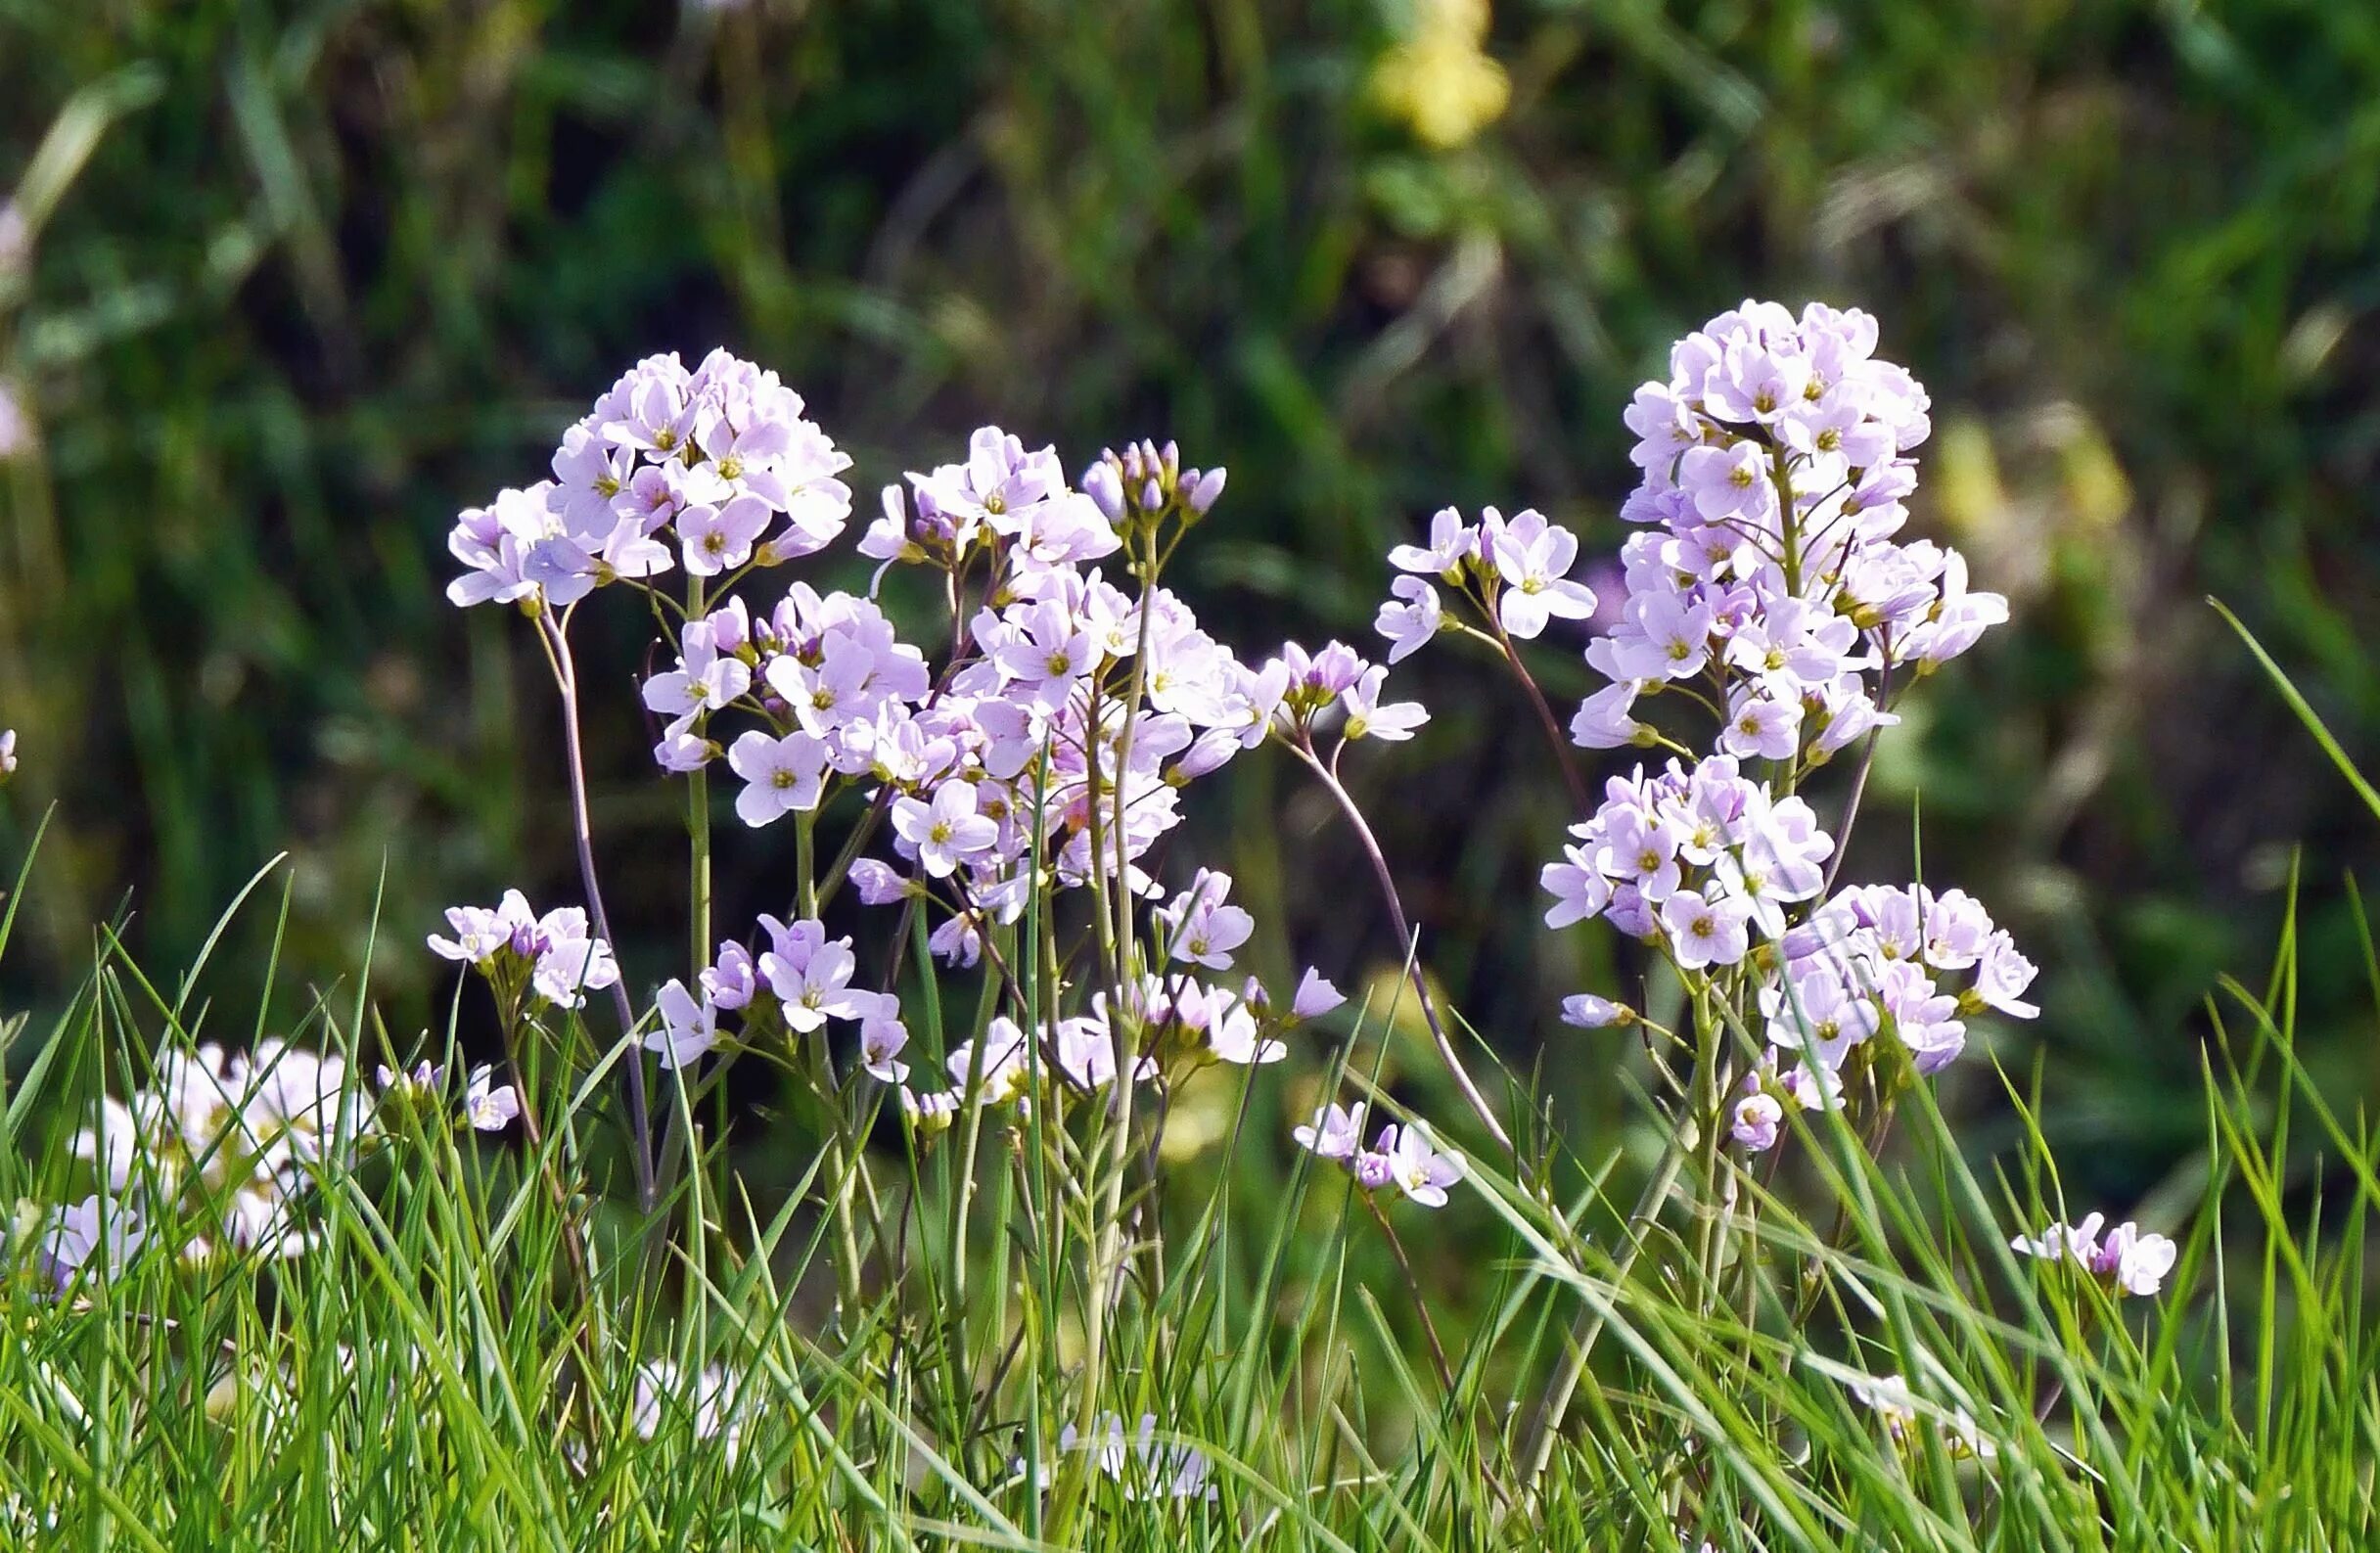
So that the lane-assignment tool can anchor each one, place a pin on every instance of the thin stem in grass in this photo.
(1421, 1304)
(556, 639)
(697, 828)
(1868, 761)
(589, 1340)
(1546, 720)
(844, 1151)
(1302, 748)
(1116, 1151)
(1649, 1204)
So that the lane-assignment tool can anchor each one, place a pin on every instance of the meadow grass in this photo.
(466, 1355)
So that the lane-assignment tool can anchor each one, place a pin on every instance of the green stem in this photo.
(697, 828)
(1408, 945)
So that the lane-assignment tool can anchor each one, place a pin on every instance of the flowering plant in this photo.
(977, 819)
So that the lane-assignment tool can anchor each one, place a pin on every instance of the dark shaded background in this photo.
(332, 270)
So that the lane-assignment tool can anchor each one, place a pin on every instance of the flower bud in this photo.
(1150, 497)
(1102, 484)
(930, 1113)
(1207, 490)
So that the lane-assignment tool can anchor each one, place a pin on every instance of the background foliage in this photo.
(311, 275)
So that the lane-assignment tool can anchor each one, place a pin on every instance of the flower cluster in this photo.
(1050, 749)
(1770, 589)
(1066, 722)
(1696, 860)
(1876, 960)
(2127, 1259)
(1402, 1157)
(1902, 1410)
(717, 464)
(1775, 471)
(232, 1140)
(1046, 752)
(1515, 572)
(1141, 1465)
(552, 959)
(799, 983)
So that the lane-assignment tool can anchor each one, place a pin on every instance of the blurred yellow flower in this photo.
(1441, 80)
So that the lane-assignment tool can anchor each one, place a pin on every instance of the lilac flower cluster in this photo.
(995, 762)
(715, 468)
(233, 1140)
(1514, 572)
(1047, 751)
(552, 959)
(1777, 469)
(2127, 1259)
(1402, 1157)
(799, 983)
(1696, 859)
(1876, 960)
(1052, 746)
(1771, 590)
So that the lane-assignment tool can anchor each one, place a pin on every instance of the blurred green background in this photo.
(298, 280)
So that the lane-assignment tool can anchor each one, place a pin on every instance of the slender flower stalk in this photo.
(556, 637)
(1404, 936)
(1568, 767)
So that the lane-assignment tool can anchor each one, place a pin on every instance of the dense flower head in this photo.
(1769, 580)
(1770, 588)
(714, 468)
(1902, 1412)
(1701, 860)
(1703, 865)
(790, 982)
(1402, 1158)
(1063, 725)
(2126, 1259)
(1775, 469)
(1514, 572)
(1068, 717)
(555, 958)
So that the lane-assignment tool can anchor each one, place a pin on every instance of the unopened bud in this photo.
(1208, 489)
(1105, 489)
